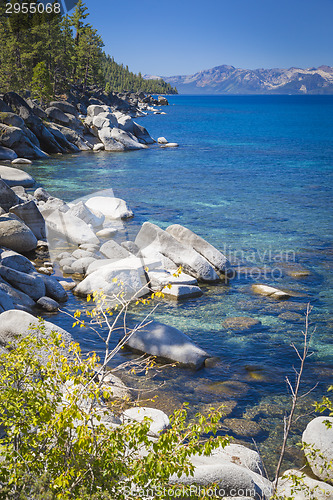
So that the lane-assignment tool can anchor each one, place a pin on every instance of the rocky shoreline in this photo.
(87, 120)
(39, 231)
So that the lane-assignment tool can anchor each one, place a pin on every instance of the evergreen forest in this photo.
(46, 53)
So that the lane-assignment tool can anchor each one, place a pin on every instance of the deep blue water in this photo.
(253, 175)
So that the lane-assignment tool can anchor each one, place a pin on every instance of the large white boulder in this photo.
(70, 227)
(167, 342)
(159, 420)
(232, 453)
(113, 208)
(208, 251)
(299, 486)
(81, 211)
(193, 263)
(125, 276)
(109, 141)
(128, 140)
(14, 324)
(142, 134)
(16, 177)
(105, 119)
(318, 441)
(96, 109)
(234, 470)
(111, 250)
(14, 234)
(126, 123)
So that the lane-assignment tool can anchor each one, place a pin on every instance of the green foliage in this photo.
(57, 443)
(119, 78)
(41, 83)
(312, 454)
(326, 405)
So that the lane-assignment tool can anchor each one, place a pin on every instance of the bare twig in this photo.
(288, 420)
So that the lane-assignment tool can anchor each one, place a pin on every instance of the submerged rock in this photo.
(242, 427)
(230, 388)
(270, 291)
(240, 323)
(293, 317)
(167, 342)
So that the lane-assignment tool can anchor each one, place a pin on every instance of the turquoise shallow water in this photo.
(253, 175)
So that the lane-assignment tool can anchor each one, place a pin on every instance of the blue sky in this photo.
(183, 36)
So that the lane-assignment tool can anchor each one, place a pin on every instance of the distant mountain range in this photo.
(229, 80)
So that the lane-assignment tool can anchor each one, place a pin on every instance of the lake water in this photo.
(253, 175)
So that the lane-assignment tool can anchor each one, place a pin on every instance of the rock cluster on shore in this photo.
(89, 120)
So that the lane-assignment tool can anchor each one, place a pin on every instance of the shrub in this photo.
(57, 442)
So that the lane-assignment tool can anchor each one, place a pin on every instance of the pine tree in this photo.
(41, 83)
